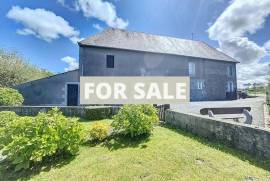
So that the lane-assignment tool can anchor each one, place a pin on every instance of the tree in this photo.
(14, 69)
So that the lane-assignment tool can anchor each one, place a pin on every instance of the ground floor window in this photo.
(230, 87)
(200, 85)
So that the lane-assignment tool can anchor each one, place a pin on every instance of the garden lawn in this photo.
(168, 154)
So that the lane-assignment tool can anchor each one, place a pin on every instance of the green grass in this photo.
(168, 154)
(260, 91)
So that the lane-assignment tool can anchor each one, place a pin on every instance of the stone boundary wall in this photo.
(89, 113)
(248, 138)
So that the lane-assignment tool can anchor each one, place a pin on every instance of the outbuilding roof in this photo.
(128, 40)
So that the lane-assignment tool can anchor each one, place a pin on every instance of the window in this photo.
(191, 69)
(110, 61)
(200, 85)
(230, 87)
(230, 70)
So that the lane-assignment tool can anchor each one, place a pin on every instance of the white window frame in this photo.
(230, 70)
(191, 69)
(200, 85)
(230, 86)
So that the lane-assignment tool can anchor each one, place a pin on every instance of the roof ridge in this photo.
(141, 41)
(146, 33)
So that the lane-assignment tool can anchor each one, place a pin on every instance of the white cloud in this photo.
(102, 10)
(43, 24)
(242, 49)
(72, 63)
(25, 31)
(62, 2)
(253, 73)
(240, 19)
(267, 46)
(98, 27)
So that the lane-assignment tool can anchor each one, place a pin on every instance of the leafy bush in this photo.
(7, 117)
(135, 120)
(10, 97)
(29, 140)
(99, 131)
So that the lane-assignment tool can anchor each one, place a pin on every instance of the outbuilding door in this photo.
(72, 94)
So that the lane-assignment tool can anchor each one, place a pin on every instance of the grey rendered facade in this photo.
(49, 91)
(212, 73)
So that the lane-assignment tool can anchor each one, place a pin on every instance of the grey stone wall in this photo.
(89, 113)
(248, 138)
(133, 63)
(48, 91)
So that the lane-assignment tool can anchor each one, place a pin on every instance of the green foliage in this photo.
(15, 70)
(29, 140)
(10, 97)
(99, 131)
(7, 117)
(135, 120)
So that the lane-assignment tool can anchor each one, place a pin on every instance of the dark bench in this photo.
(229, 113)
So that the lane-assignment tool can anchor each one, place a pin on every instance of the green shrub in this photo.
(29, 140)
(99, 131)
(10, 97)
(135, 120)
(7, 117)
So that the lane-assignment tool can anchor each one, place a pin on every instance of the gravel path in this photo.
(256, 105)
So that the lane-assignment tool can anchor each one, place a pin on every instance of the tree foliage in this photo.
(10, 97)
(14, 69)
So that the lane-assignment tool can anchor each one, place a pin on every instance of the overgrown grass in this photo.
(260, 91)
(168, 154)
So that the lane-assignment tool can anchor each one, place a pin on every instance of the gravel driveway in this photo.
(256, 105)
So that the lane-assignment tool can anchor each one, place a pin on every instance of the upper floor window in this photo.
(110, 61)
(191, 69)
(230, 70)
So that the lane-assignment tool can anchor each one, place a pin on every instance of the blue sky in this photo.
(238, 28)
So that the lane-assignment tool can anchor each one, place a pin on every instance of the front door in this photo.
(72, 94)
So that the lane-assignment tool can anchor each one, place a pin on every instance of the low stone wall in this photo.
(90, 113)
(248, 138)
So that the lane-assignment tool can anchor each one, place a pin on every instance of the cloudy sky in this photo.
(46, 31)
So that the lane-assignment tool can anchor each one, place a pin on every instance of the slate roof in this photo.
(122, 39)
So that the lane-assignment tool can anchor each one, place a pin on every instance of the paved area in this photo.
(256, 105)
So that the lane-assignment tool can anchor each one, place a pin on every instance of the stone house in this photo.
(116, 52)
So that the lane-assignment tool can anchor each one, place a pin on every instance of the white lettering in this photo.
(108, 91)
(139, 89)
(88, 89)
(119, 91)
(181, 91)
(166, 92)
(153, 91)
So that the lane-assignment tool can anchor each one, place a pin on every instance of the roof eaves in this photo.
(236, 61)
